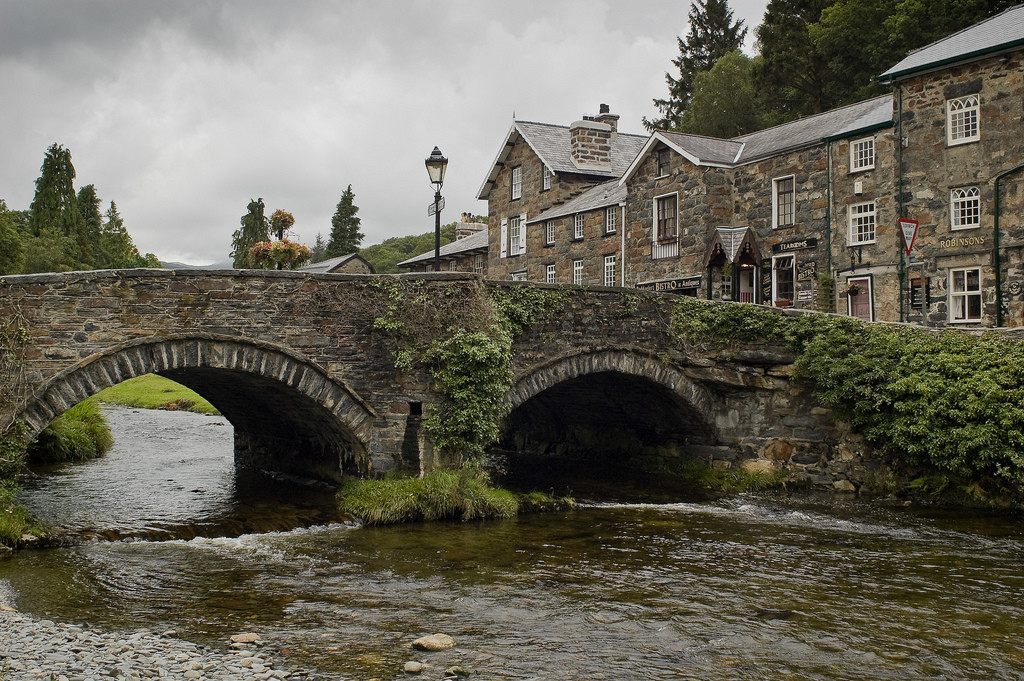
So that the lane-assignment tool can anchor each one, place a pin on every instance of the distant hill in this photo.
(222, 265)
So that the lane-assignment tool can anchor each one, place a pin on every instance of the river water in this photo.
(749, 588)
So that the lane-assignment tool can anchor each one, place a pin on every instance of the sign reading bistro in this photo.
(672, 284)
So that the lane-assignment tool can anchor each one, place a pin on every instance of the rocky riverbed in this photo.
(40, 649)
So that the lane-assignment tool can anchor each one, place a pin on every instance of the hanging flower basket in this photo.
(852, 289)
(288, 254)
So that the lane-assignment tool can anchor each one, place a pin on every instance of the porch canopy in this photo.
(736, 245)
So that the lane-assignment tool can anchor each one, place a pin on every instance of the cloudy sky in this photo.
(181, 111)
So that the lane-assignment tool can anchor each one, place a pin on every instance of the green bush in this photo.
(14, 519)
(947, 399)
(79, 434)
(462, 494)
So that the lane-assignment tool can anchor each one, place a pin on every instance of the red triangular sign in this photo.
(909, 229)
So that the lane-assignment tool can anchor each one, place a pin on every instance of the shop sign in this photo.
(799, 245)
(962, 241)
(672, 284)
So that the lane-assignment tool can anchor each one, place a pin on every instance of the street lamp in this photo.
(436, 165)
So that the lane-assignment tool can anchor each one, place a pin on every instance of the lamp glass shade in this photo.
(436, 165)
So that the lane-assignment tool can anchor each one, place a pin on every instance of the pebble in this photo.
(434, 642)
(32, 649)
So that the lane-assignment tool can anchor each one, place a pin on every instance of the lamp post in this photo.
(436, 165)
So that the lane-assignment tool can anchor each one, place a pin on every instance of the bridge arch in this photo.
(610, 391)
(288, 414)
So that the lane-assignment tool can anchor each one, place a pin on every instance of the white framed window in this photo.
(550, 277)
(965, 295)
(517, 182)
(965, 208)
(610, 219)
(862, 154)
(549, 232)
(577, 232)
(609, 270)
(962, 120)
(783, 280)
(545, 181)
(453, 266)
(726, 285)
(861, 219)
(784, 201)
(515, 236)
(478, 264)
(519, 276)
(577, 271)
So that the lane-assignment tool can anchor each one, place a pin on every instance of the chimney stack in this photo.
(590, 140)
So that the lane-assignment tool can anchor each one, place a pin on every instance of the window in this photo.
(549, 232)
(664, 158)
(610, 215)
(862, 154)
(783, 201)
(478, 264)
(965, 208)
(577, 271)
(783, 280)
(726, 285)
(517, 182)
(515, 236)
(550, 274)
(965, 295)
(453, 266)
(862, 223)
(609, 270)
(519, 276)
(666, 218)
(545, 179)
(962, 120)
(578, 226)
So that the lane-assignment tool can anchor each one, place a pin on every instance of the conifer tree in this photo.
(319, 248)
(89, 238)
(345, 234)
(255, 228)
(55, 206)
(712, 35)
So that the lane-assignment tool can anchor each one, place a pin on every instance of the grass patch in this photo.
(79, 434)
(155, 392)
(698, 474)
(463, 494)
(15, 521)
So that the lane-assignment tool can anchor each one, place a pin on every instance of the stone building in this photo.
(807, 214)
(468, 253)
(353, 263)
(549, 218)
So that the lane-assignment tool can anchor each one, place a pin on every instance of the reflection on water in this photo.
(750, 588)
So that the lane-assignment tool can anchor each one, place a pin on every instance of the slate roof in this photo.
(331, 263)
(710, 151)
(846, 120)
(475, 241)
(996, 34)
(552, 144)
(606, 194)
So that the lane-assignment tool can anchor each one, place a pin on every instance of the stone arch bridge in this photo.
(297, 365)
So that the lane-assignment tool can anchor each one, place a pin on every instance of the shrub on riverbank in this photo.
(79, 434)
(15, 521)
(155, 392)
(944, 400)
(462, 494)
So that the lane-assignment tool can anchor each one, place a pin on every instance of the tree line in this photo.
(65, 230)
(812, 56)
